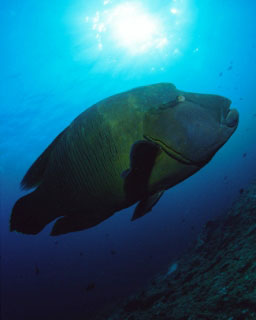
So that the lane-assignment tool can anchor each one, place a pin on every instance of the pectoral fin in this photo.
(142, 159)
(146, 205)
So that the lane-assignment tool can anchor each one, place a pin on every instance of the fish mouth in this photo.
(231, 118)
(172, 153)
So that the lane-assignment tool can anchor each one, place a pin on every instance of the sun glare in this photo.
(134, 29)
(130, 27)
(127, 29)
(174, 10)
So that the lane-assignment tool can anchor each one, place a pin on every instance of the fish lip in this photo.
(231, 118)
(225, 120)
(172, 153)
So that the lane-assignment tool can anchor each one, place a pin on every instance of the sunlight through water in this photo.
(121, 30)
(131, 28)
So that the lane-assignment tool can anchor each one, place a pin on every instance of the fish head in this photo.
(191, 127)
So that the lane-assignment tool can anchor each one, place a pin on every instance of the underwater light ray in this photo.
(130, 27)
(117, 34)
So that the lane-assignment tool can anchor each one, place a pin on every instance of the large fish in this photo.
(128, 148)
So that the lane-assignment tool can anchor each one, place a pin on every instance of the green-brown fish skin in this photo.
(128, 148)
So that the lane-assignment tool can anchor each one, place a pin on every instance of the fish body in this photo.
(125, 149)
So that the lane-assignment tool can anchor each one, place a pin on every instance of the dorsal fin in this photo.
(34, 175)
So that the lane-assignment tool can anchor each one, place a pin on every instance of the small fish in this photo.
(90, 286)
(220, 74)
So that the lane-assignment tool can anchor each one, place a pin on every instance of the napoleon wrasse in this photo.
(128, 148)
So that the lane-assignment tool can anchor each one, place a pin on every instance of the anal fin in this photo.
(76, 222)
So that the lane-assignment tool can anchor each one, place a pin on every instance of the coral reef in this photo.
(216, 279)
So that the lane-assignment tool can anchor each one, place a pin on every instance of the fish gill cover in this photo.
(60, 58)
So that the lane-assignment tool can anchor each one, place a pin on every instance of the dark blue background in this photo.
(51, 70)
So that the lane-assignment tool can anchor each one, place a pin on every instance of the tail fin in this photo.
(30, 214)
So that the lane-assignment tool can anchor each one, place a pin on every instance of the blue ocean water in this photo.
(60, 57)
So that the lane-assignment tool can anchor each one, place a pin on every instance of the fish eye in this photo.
(171, 104)
(180, 98)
